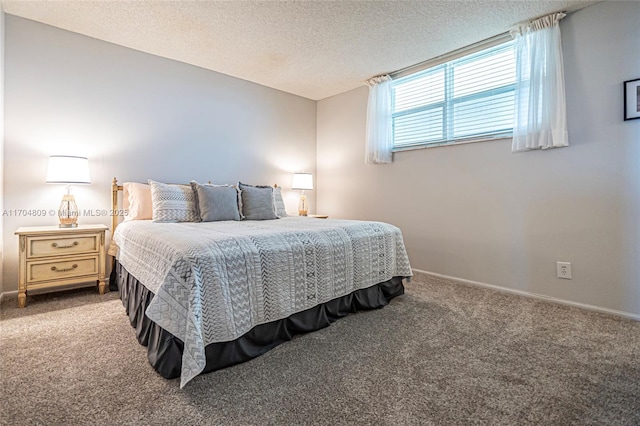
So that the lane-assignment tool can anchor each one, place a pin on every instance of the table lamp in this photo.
(302, 181)
(68, 170)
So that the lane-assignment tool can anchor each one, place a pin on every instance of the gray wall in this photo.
(136, 116)
(480, 213)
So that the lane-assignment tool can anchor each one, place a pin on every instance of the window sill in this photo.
(450, 143)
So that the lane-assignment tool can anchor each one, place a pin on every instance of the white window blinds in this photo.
(470, 97)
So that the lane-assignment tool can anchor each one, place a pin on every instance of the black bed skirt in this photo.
(164, 350)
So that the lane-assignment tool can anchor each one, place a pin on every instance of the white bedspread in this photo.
(215, 281)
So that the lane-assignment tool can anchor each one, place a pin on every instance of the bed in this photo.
(207, 295)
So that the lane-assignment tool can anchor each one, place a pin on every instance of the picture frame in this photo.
(632, 99)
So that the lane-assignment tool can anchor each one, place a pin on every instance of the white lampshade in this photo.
(68, 169)
(302, 181)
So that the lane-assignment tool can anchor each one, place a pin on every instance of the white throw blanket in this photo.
(215, 281)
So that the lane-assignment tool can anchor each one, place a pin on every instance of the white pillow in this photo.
(173, 203)
(279, 202)
(137, 202)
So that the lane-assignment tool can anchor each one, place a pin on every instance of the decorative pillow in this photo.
(137, 201)
(279, 202)
(216, 202)
(173, 203)
(257, 202)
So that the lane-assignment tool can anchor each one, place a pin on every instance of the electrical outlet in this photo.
(564, 270)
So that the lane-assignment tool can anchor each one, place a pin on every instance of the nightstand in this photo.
(52, 257)
(319, 216)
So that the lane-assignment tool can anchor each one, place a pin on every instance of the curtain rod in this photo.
(448, 55)
(486, 43)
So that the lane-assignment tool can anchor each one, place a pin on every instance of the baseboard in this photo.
(8, 293)
(623, 314)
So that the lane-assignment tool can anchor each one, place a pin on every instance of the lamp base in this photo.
(68, 225)
(302, 205)
(68, 211)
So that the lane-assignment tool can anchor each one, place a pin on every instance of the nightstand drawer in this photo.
(57, 270)
(62, 246)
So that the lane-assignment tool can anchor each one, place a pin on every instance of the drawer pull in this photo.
(74, 266)
(55, 245)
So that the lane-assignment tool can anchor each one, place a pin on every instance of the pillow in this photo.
(279, 202)
(257, 202)
(216, 202)
(136, 199)
(173, 203)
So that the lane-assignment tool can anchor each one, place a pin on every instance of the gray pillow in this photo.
(216, 202)
(257, 202)
(173, 203)
(279, 202)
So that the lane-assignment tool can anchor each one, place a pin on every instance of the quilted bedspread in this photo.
(215, 281)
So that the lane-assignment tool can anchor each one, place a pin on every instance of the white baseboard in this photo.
(8, 293)
(624, 314)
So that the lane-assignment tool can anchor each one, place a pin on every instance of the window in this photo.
(465, 99)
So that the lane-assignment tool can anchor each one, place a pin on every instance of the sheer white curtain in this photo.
(379, 141)
(540, 120)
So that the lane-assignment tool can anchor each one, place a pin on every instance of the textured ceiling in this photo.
(314, 49)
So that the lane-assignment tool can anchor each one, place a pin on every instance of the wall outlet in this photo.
(564, 270)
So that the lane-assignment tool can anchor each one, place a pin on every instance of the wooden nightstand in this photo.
(51, 257)
(319, 216)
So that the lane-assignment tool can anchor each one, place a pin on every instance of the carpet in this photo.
(443, 353)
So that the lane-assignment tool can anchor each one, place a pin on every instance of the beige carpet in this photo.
(443, 353)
